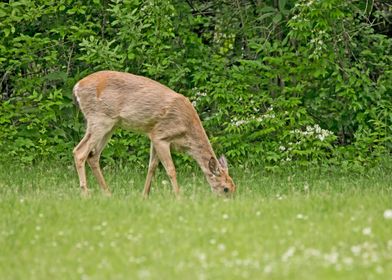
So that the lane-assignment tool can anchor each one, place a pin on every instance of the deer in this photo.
(111, 99)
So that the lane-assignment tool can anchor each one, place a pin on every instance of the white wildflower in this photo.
(388, 214)
(389, 245)
(311, 252)
(321, 137)
(288, 254)
(301, 217)
(367, 231)
(315, 131)
(348, 261)
(356, 250)
(310, 3)
(221, 247)
(332, 257)
(239, 122)
(144, 273)
(268, 269)
(260, 119)
(201, 94)
(379, 269)
(201, 256)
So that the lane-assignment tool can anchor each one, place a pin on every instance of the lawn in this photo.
(307, 224)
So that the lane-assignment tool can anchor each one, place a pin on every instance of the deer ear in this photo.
(213, 166)
(223, 163)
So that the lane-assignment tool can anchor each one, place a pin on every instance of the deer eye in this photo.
(226, 189)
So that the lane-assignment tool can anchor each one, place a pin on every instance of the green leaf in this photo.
(268, 9)
(277, 18)
(282, 4)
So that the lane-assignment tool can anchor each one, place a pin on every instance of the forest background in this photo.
(276, 83)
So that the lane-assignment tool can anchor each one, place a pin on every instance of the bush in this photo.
(276, 84)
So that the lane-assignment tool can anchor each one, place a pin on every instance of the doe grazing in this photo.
(110, 99)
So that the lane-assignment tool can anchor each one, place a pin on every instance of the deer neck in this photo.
(201, 151)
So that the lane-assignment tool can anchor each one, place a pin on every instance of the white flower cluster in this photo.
(318, 37)
(267, 115)
(314, 131)
(307, 3)
(298, 18)
(318, 42)
(237, 122)
(315, 41)
(199, 96)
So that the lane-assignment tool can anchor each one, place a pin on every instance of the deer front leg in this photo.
(162, 149)
(154, 161)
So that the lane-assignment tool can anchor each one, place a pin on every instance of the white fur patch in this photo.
(75, 91)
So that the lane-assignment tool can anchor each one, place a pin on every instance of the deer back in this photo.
(136, 102)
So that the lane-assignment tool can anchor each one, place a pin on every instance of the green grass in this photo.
(294, 225)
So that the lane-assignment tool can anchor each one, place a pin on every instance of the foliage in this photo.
(275, 82)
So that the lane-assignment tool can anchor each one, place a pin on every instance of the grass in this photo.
(293, 225)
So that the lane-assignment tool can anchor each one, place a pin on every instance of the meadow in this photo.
(294, 224)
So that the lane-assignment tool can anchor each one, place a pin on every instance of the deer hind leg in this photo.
(154, 161)
(81, 152)
(162, 149)
(93, 141)
(93, 160)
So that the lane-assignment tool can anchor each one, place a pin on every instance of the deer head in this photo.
(219, 179)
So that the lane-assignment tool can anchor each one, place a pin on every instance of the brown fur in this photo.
(109, 99)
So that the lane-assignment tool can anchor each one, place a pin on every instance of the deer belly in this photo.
(137, 123)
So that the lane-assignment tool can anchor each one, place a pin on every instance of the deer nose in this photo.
(226, 189)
